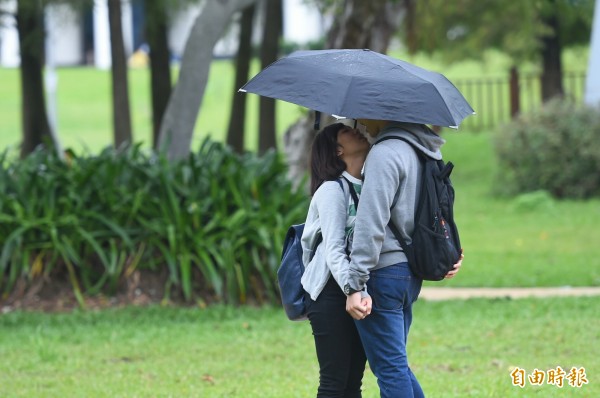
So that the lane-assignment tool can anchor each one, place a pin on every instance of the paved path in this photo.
(452, 293)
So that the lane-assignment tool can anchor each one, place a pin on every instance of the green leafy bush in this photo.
(556, 149)
(215, 221)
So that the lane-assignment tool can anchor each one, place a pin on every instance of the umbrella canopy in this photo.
(362, 84)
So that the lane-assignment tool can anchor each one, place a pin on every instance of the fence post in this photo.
(515, 105)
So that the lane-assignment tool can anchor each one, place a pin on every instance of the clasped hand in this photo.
(357, 306)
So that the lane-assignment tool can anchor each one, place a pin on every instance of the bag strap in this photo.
(422, 158)
(355, 200)
(444, 173)
(320, 237)
(398, 235)
(352, 192)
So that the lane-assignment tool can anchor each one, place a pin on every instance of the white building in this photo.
(82, 38)
(592, 86)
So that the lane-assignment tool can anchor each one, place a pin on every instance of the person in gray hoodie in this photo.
(391, 184)
(337, 157)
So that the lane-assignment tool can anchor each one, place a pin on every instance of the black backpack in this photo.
(435, 246)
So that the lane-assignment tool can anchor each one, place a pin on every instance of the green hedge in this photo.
(554, 149)
(215, 220)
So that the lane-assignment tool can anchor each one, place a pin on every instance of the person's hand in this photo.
(368, 303)
(356, 307)
(452, 273)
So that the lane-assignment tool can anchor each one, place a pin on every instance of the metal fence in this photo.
(491, 97)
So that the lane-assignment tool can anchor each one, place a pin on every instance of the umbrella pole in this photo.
(317, 125)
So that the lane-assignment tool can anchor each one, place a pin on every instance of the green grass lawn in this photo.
(84, 110)
(457, 349)
(530, 240)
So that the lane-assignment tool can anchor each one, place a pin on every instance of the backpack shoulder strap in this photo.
(422, 158)
(352, 191)
(320, 237)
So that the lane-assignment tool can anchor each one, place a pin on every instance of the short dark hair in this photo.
(325, 164)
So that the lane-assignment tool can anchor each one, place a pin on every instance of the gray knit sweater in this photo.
(331, 213)
(391, 183)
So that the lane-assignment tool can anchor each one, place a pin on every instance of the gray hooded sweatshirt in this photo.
(331, 215)
(391, 185)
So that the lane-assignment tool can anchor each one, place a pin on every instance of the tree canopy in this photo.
(465, 28)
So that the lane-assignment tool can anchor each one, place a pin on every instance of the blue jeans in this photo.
(384, 332)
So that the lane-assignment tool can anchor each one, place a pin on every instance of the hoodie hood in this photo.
(419, 134)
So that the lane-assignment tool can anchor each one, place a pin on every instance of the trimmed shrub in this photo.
(554, 149)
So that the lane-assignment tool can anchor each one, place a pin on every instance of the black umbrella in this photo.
(362, 84)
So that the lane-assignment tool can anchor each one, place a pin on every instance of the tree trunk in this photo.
(269, 51)
(354, 27)
(297, 143)
(237, 120)
(387, 22)
(34, 119)
(180, 118)
(160, 66)
(361, 24)
(515, 92)
(551, 60)
(411, 28)
(120, 94)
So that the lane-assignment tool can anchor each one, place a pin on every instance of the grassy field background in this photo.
(84, 110)
(531, 240)
(457, 349)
